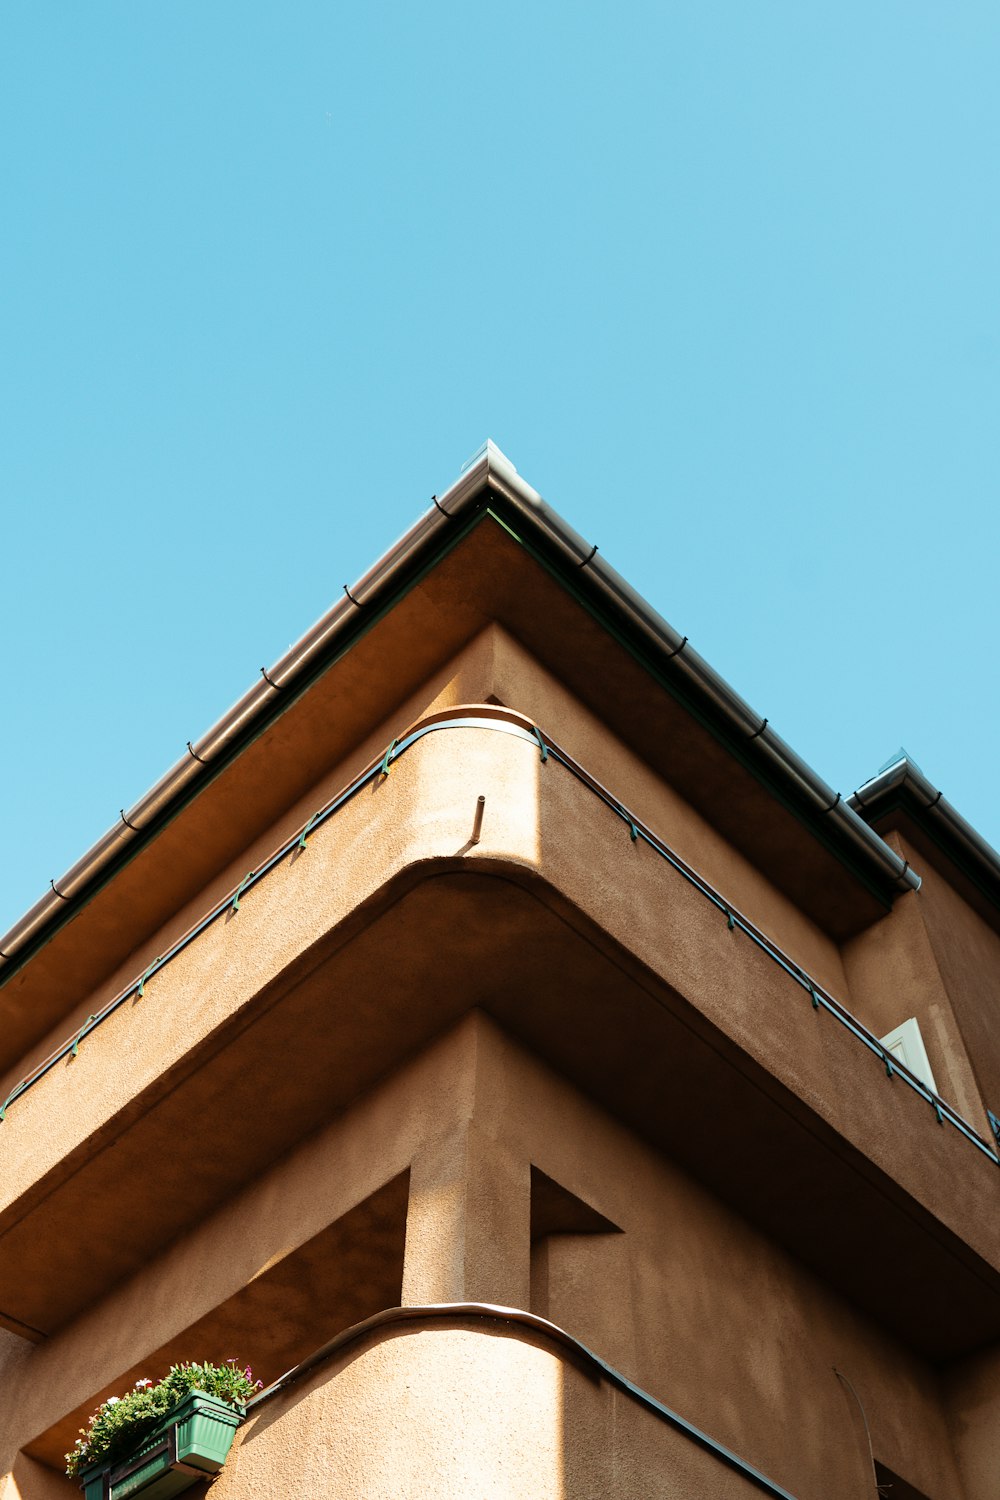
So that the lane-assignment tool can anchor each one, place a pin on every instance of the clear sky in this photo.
(721, 279)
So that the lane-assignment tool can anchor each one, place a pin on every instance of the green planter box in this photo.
(189, 1444)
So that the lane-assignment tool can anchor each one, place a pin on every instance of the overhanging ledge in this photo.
(645, 988)
(490, 484)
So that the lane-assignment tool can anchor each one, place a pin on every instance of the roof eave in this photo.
(490, 474)
(905, 785)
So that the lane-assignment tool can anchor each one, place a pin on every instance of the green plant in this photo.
(121, 1422)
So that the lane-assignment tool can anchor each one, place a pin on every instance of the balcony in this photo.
(397, 914)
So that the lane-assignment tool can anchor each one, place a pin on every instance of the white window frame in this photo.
(906, 1043)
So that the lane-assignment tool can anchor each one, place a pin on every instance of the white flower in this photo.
(141, 1384)
(112, 1401)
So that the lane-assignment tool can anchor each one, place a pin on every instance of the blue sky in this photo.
(721, 279)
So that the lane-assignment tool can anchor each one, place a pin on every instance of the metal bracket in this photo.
(75, 1049)
(235, 903)
(386, 767)
(307, 829)
(142, 982)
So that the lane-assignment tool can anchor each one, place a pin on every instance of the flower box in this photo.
(187, 1445)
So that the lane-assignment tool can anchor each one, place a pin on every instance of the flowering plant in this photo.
(121, 1422)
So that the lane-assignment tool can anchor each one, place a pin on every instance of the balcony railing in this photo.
(506, 721)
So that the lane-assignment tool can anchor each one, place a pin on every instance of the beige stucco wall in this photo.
(493, 667)
(687, 1299)
(935, 959)
(454, 1413)
(540, 825)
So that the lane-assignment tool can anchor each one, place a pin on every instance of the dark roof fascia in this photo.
(680, 669)
(489, 481)
(903, 787)
(280, 687)
(882, 885)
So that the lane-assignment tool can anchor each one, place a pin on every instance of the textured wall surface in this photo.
(536, 1069)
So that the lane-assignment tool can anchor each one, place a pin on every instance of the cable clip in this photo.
(385, 767)
(74, 1050)
(306, 830)
(235, 904)
(148, 974)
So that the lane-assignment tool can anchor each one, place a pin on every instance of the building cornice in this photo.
(489, 484)
(903, 787)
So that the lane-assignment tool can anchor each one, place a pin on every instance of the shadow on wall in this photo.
(580, 1273)
(350, 1270)
(891, 1487)
(30, 1480)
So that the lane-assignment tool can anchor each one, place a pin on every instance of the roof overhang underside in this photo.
(492, 560)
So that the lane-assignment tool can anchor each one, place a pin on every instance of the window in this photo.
(907, 1044)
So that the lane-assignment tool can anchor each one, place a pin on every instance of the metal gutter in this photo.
(489, 474)
(905, 781)
(667, 644)
(517, 1318)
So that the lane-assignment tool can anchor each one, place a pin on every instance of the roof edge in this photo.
(904, 784)
(490, 473)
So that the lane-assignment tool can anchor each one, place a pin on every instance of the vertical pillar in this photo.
(468, 1225)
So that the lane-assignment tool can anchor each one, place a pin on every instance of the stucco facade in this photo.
(484, 1043)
